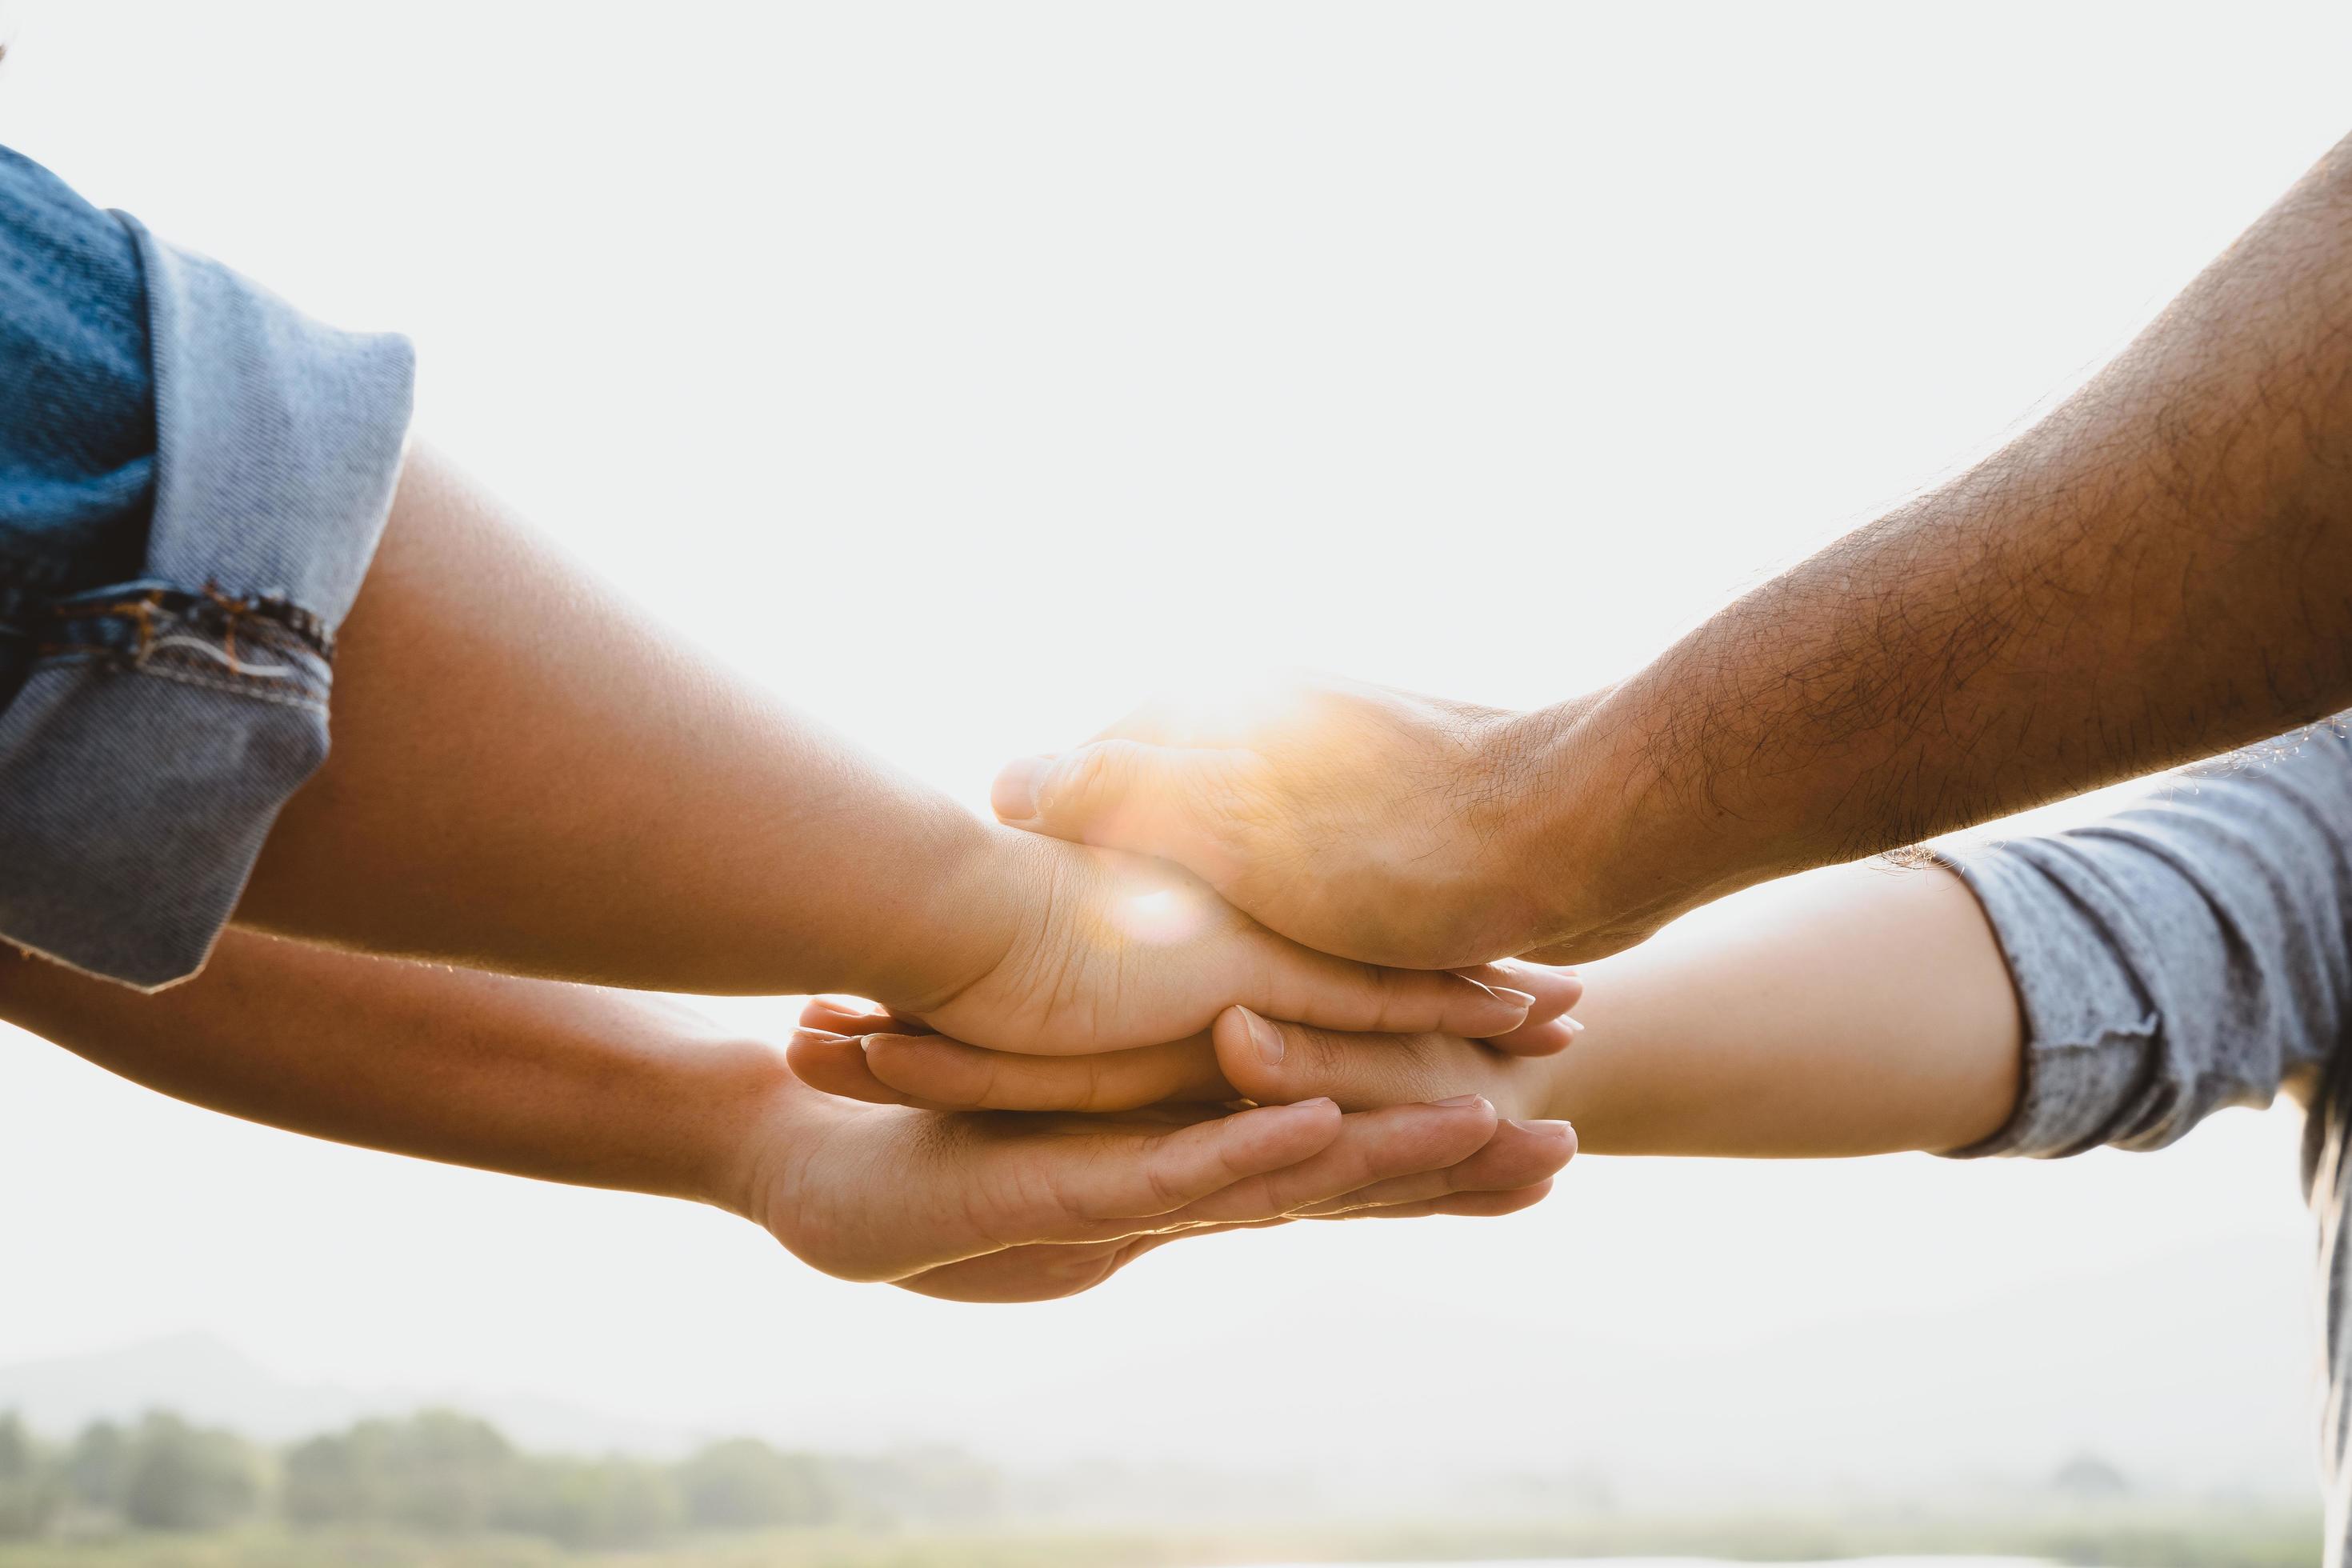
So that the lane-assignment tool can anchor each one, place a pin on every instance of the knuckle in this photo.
(1320, 1053)
(1092, 1090)
(1086, 777)
(1164, 1184)
(987, 1072)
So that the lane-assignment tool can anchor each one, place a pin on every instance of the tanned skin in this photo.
(2159, 571)
(601, 1088)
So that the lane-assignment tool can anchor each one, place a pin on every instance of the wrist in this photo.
(948, 918)
(1600, 847)
(1554, 810)
(757, 1115)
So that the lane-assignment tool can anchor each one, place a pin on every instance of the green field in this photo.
(2139, 1537)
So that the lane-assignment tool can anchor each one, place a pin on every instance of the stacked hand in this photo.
(1140, 1083)
(1360, 820)
(995, 1207)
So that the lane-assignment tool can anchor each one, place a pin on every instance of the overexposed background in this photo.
(966, 372)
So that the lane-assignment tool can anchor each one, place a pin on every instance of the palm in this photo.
(996, 1206)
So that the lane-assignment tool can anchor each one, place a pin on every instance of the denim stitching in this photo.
(147, 627)
(234, 688)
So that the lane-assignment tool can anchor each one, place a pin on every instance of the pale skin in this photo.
(528, 777)
(598, 1088)
(2155, 573)
(1860, 1010)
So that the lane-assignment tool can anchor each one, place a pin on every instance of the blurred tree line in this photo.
(441, 1472)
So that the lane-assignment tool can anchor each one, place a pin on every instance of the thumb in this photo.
(1123, 795)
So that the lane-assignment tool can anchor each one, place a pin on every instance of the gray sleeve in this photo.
(2184, 954)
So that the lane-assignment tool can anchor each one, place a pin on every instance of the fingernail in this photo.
(1461, 1099)
(1318, 1100)
(1573, 1026)
(1014, 794)
(1266, 1038)
(1523, 998)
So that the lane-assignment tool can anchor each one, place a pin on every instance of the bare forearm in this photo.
(2157, 571)
(526, 776)
(560, 1082)
(1854, 1011)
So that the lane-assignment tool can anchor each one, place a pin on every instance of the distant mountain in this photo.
(208, 1379)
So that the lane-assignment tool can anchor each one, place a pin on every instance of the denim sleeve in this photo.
(78, 443)
(2182, 955)
(176, 690)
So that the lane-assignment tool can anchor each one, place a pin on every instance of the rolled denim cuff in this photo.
(167, 721)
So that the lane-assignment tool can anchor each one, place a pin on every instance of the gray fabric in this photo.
(155, 741)
(2189, 952)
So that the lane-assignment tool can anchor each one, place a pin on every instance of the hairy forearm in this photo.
(1860, 1010)
(527, 776)
(2159, 571)
(560, 1082)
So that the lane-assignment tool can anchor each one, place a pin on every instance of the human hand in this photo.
(983, 1207)
(1371, 823)
(1099, 950)
(849, 1050)
(1049, 1270)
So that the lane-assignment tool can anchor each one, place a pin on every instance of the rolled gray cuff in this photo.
(2090, 1036)
(167, 721)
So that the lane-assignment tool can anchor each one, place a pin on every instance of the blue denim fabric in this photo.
(177, 606)
(77, 404)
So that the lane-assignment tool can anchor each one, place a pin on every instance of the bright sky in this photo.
(967, 371)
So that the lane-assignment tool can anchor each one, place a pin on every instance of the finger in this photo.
(944, 1072)
(1277, 1063)
(1126, 794)
(1519, 1155)
(856, 1015)
(1481, 1204)
(1375, 1146)
(836, 1065)
(1297, 982)
(1545, 1040)
(1555, 990)
(1548, 1028)
(1128, 1176)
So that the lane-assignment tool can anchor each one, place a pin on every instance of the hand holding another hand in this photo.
(1362, 821)
(983, 1207)
(848, 1049)
(1083, 950)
